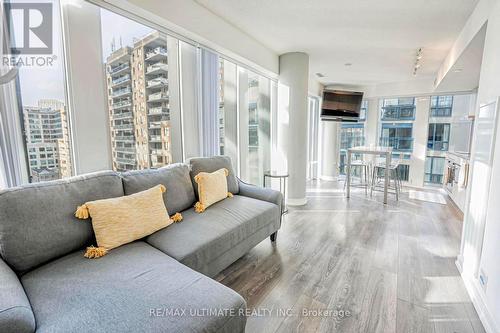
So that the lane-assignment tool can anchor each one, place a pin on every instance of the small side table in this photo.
(282, 176)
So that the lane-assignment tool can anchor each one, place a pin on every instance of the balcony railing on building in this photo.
(125, 160)
(154, 124)
(438, 145)
(157, 52)
(123, 126)
(159, 81)
(158, 111)
(155, 138)
(156, 68)
(441, 111)
(156, 151)
(117, 69)
(121, 92)
(401, 144)
(122, 115)
(124, 138)
(157, 97)
(125, 149)
(122, 104)
(120, 80)
(398, 112)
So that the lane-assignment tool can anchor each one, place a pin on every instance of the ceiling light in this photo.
(418, 58)
(348, 64)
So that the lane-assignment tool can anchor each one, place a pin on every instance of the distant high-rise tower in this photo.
(47, 140)
(138, 101)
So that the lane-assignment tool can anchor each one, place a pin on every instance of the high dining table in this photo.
(372, 150)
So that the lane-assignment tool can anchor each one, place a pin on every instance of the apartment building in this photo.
(138, 101)
(47, 140)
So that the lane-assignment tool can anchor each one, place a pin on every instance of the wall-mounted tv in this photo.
(341, 105)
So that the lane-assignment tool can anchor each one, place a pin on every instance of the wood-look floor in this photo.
(388, 268)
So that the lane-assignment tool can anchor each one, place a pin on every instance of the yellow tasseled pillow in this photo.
(212, 187)
(118, 221)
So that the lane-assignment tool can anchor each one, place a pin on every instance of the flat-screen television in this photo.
(341, 105)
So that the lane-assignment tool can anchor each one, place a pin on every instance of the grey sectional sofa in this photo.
(158, 284)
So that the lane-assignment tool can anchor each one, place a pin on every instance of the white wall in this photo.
(489, 90)
(481, 237)
(189, 19)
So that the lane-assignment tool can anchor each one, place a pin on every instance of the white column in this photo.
(371, 122)
(292, 127)
(89, 118)
(330, 143)
(420, 133)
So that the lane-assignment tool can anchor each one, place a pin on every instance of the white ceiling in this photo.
(465, 72)
(379, 37)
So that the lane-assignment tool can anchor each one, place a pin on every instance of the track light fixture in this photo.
(418, 58)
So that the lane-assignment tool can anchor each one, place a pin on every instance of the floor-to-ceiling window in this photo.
(434, 167)
(441, 106)
(396, 130)
(254, 111)
(138, 86)
(40, 89)
(438, 140)
(244, 120)
(157, 90)
(351, 135)
(439, 136)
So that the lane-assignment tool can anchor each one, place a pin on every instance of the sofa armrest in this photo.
(15, 309)
(261, 193)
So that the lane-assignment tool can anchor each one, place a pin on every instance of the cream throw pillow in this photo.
(212, 187)
(118, 221)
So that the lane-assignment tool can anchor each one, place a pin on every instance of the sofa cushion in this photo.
(175, 177)
(118, 221)
(129, 290)
(201, 238)
(211, 164)
(37, 221)
(212, 187)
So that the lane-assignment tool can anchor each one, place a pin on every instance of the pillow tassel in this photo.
(177, 217)
(82, 212)
(199, 208)
(163, 188)
(229, 195)
(95, 252)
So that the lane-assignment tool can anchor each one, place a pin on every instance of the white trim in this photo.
(296, 202)
(477, 297)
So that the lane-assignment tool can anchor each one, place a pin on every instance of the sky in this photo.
(48, 82)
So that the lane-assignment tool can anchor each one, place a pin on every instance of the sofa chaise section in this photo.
(134, 288)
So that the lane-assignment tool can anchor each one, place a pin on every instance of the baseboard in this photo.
(476, 295)
(296, 202)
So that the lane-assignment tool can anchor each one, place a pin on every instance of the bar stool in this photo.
(379, 170)
(364, 168)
